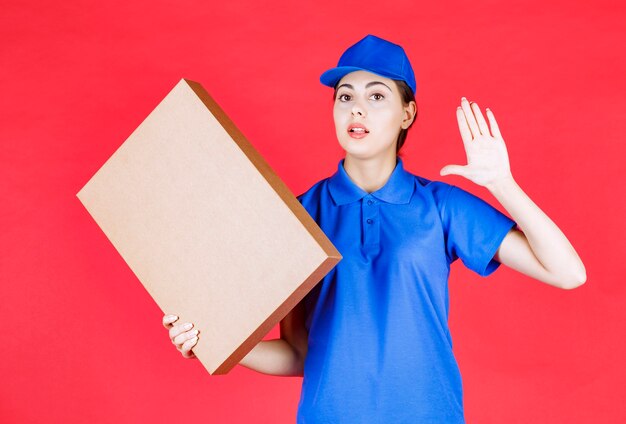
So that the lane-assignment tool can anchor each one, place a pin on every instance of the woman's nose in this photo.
(357, 109)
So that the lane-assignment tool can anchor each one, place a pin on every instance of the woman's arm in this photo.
(284, 356)
(541, 251)
(274, 357)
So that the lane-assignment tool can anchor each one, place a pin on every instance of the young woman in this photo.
(372, 338)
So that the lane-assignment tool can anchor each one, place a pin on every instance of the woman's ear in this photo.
(409, 114)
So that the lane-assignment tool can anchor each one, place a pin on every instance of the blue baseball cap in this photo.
(372, 54)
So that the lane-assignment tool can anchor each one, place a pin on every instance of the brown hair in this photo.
(407, 97)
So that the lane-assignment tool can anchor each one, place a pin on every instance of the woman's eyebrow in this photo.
(369, 84)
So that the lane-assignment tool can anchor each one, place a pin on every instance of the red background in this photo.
(82, 340)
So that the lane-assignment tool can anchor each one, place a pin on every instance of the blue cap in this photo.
(372, 54)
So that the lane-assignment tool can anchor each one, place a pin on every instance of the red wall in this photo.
(82, 340)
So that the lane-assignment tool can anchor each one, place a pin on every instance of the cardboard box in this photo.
(206, 225)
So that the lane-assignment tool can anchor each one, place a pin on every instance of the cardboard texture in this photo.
(206, 225)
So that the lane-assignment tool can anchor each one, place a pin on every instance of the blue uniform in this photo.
(380, 350)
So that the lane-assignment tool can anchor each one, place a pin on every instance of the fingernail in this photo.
(195, 339)
(463, 99)
(188, 326)
(194, 333)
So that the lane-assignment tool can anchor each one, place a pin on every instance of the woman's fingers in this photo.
(181, 335)
(168, 320)
(187, 335)
(185, 349)
(466, 133)
(495, 130)
(469, 116)
(480, 119)
(179, 329)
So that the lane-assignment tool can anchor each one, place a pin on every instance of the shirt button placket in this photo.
(371, 221)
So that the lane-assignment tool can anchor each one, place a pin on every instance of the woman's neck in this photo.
(370, 174)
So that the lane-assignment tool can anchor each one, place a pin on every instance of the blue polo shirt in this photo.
(380, 350)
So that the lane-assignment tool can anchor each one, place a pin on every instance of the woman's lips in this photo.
(357, 131)
(357, 134)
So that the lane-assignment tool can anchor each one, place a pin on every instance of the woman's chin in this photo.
(360, 149)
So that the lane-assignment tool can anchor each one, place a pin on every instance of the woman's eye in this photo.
(347, 97)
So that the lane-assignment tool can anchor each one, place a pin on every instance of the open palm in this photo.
(487, 157)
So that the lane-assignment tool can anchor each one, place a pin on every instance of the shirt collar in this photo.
(398, 188)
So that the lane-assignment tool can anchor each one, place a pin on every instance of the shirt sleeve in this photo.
(474, 230)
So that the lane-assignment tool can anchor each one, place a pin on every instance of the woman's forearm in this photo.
(274, 357)
(548, 243)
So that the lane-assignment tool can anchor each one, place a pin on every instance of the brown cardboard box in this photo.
(207, 226)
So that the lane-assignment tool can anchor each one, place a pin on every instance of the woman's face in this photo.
(369, 114)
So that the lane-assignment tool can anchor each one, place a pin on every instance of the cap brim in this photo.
(334, 75)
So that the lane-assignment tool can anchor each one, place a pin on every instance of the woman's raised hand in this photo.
(487, 157)
(183, 336)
